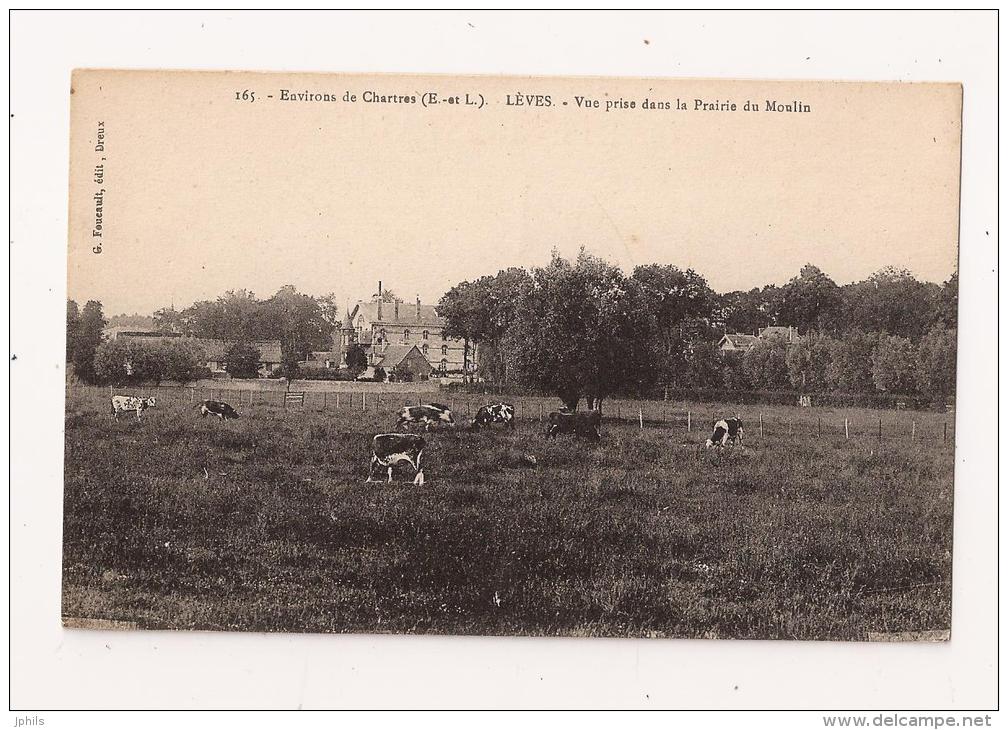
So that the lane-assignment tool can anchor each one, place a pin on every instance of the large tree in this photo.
(584, 329)
(482, 312)
(890, 301)
(89, 337)
(810, 301)
(72, 328)
(682, 305)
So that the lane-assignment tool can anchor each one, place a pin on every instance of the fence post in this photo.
(618, 416)
(540, 411)
(377, 401)
(761, 425)
(945, 432)
(913, 431)
(325, 399)
(192, 394)
(363, 400)
(641, 413)
(819, 432)
(846, 429)
(880, 429)
(689, 421)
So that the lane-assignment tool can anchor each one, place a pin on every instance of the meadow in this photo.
(266, 523)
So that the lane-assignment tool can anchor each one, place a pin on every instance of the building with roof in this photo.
(379, 325)
(740, 343)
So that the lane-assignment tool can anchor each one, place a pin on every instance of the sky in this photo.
(205, 192)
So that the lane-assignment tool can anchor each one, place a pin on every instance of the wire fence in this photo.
(685, 418)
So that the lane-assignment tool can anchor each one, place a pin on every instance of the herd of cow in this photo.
(389, 449)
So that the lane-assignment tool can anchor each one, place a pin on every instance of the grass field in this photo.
(266, 523)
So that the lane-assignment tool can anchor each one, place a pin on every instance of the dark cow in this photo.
(216, 408)
(427, 415)
(388, 449)
(588, 425)
(727, 430)
(129, 403)
(494, 413)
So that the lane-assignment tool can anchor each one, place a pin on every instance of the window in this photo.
(444, 365)
(424, 349)
(444, 349)
(405, 336)
(425, 333)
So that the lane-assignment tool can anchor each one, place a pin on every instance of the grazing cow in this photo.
(494, 413)
(216, 408)
(129, 403)
(726, 430)
(427, 415)
(388, 449)
(587, 424)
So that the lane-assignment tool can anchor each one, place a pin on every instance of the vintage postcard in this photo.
(511, 355)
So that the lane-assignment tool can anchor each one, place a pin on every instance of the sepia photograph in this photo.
(520, 356)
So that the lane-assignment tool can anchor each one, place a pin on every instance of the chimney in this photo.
(417, 307)
(397, 308)
(379, 309)
(379, 288)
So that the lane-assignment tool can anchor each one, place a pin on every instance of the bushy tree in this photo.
(811, 301)
(850, 369)
(584, 329)
(765, 365)
(681, 304)
(72, 328)
(809, 360)
(937, 370)
(89, 335)
(890, 301)
(481, 313)
(356, 359)
(895, 365)
(745, 311)
(242, 360)
(121, 362)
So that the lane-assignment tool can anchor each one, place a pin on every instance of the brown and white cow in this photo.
(129, 403)
(727, 430)
(388, 449)
(427, 415)
(222, 410)
(494, 413)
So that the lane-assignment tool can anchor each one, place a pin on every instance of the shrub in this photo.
(242, 360)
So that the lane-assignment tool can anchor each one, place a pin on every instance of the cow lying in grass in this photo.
(427, 415)
(216, 408)
(588, 425)
(129, 403)
(388, 449)
(494, 413)
(727, 430)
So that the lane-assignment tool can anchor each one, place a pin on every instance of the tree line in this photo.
(583, 328)
(300, 322)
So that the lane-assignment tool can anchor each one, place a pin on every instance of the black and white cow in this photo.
(129, 403)
(727, 430)
(428, 415)
(388, 449)
(587, 424)
(216, 408)
(494, 413)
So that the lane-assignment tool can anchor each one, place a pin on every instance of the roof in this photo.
(739, 341)
(770, 331)
(395, 354)
(407, 313)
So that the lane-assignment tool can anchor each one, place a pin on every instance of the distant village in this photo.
(399, 339)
